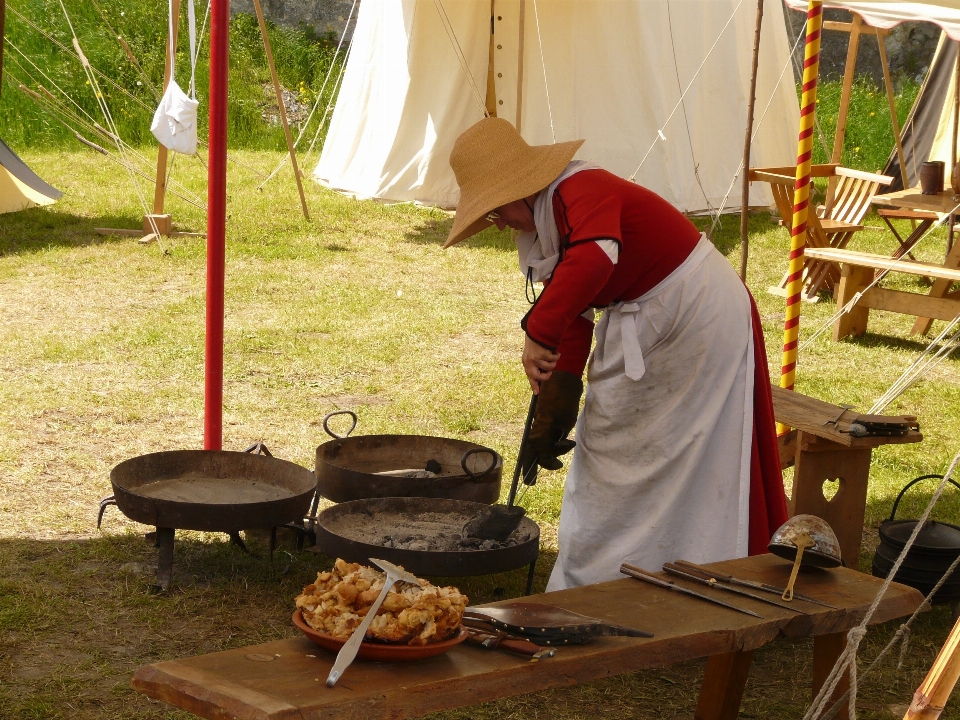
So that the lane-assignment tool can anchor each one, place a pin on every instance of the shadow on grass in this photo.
(435, 232)
(42, 228)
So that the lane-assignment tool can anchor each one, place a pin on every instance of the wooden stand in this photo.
(823, 453)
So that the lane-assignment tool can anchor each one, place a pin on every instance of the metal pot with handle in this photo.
(376, 466)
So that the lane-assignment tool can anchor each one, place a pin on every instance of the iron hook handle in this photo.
(473, 451)
(913, 482)
(331, 433)
(259, 449)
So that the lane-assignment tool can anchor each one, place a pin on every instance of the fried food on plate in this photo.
(338, 600)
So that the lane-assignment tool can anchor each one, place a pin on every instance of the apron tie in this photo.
(623, 319)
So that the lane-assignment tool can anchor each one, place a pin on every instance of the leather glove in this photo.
(557, 408)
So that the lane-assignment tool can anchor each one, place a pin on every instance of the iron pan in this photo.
(347, 468)
(423, 562)
(294, 484)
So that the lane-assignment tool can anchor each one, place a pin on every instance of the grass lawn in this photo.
(101, 351)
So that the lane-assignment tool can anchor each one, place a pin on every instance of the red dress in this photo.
(653, 239)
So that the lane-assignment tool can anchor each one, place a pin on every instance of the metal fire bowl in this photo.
(229, 475)
(346, 468)
(424, 562)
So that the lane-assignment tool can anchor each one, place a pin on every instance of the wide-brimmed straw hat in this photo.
(494, 166)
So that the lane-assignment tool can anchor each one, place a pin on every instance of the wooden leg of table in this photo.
(826, 650)
(723, 683)
(820, 462)
(939, 289)
(852, 280)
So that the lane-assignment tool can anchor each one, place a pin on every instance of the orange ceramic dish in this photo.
(376, 651)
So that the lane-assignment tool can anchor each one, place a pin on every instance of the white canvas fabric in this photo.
(608, 69)
(887, 13)
(662, 465)
(175, 120)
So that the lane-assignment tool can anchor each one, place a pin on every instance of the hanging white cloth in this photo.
(662, 465)
(539, 251)
(175, 120)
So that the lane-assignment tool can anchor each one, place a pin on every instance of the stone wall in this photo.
(910, 48)
(324, 16)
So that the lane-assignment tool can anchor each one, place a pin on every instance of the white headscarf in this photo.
(539, 251)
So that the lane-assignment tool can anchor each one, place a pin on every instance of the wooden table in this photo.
(238, 684)
(943, 203)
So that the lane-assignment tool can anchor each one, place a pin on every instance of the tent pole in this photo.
(280, 106)
(801, 196)
(216, 224)
(888, 84)
(848, 72)
(523, 23)
(956, 111)
(160, 186)
(3, 15)
(745, 190)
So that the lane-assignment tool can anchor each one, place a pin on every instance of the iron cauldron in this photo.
(377, 466)
(935, 549)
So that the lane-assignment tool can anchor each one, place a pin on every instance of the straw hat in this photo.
(495, 166)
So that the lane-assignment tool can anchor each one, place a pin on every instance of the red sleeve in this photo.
(575, 346)
(577, 280)
(583, 213)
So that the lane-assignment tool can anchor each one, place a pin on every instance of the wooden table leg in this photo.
(826, 650)
(723, 683)
(852, 280)
(940, 288)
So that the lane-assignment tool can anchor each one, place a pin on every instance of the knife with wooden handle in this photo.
(702, 577)
(641, 574)
(765, 587)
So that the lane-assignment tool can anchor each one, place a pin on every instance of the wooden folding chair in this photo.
(830, 226)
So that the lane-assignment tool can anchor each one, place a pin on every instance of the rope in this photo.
(660, 135)
(920, 367)
(714, 213)
(448, 26)
(848, 658)
(753, 137)
(316, 103)
(333, 94)
(853, 301)
(543, 64)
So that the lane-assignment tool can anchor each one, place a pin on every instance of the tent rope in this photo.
(448, 26)
(847, 662)
(316, 103)
(853, 301)
(753, 137)
(330, 105)
(543, 65)
(660, 135)
(920, 367)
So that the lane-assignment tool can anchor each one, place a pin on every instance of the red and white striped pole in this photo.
(216, 224)
(801, 195)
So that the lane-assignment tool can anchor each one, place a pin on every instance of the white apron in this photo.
(661, 470)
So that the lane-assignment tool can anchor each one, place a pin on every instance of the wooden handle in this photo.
(711, 573)
(641, 574)
(802, 541)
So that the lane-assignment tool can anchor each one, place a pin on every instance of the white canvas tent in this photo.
(609, 71)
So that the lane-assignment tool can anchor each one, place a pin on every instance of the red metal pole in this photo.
(216, 224)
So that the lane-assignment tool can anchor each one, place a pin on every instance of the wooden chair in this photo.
(831, 225)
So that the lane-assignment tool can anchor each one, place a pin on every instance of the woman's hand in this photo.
(538, 362)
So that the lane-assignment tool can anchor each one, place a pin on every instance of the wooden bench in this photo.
(284, 679)
(858, 272)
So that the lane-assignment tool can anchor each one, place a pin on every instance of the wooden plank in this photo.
(910, 303)
(821, 170)
(853, 279)
(913, 199)
(826, 650)
(230, 684)
(881, 262)
(847, 27)
(941, 285)
(787, 449)
(722, 689)
(860, 175)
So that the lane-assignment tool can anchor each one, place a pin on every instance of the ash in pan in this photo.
(425, 531)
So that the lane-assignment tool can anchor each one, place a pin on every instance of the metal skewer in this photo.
(765, 587)
(641, 574)
(704, 578)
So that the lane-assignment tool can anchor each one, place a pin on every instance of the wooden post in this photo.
(283, 111)
(3, 15)
(745, 186)
(853, 279)
(523, 20)
(160, 186)
(722, 688)
(935, 690)
(888, 84)
(826, 650)
(491, 102)
(848, 73)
